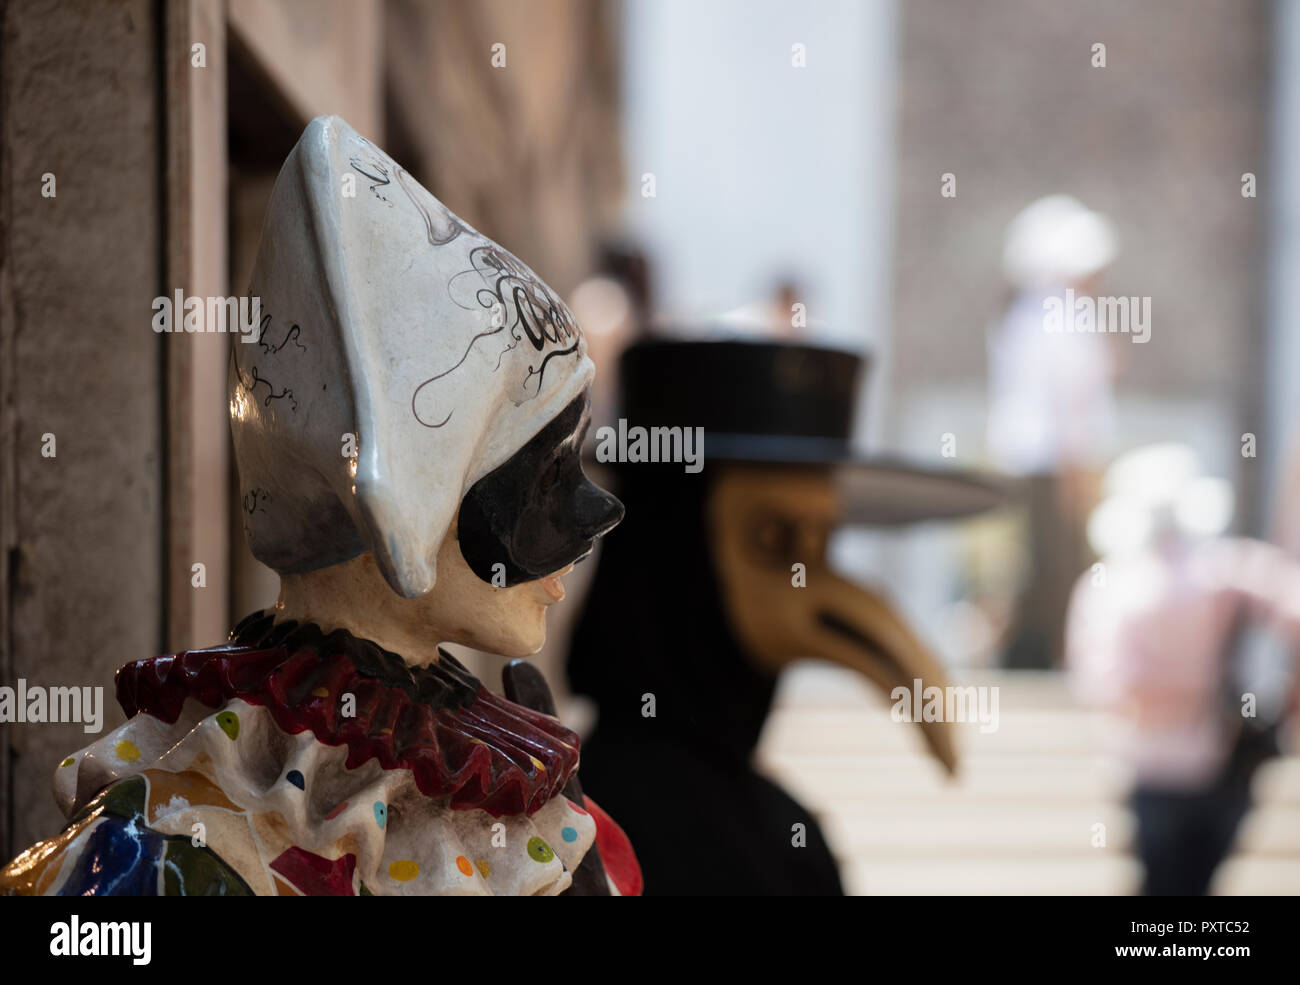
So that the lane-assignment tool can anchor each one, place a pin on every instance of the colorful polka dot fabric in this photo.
(227, 803)
(237, 774)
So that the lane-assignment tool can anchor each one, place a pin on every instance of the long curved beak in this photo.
(858, 629)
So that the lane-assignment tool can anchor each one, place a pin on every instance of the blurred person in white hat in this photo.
(1150, 639)
(1050, 406)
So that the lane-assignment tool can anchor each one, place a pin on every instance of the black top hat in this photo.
(792, 404)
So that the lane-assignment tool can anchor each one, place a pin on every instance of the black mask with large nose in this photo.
(538, 512)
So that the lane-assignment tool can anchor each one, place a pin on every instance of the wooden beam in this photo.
(329, 62)
(198, 430)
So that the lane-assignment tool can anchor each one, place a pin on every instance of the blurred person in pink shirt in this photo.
(1149, 638)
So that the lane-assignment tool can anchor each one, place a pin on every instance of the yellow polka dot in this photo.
(462, 863)
(321, 692)
(404, 870)
(484, 867)
(386, 731)
(126, 751)
(68, 762)
(538, 763)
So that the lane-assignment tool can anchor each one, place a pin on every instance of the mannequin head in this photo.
(407, 424)
(403, 359)
(519, 530)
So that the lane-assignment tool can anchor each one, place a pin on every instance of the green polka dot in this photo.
(229, 723)
(539, 850)
(68, 762)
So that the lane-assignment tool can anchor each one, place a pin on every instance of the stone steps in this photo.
(1019, 817)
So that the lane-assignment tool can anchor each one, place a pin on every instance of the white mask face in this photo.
(401, 357)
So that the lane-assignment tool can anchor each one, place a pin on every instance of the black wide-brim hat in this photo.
(784, 403)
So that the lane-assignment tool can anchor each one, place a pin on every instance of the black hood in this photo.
(655, 623)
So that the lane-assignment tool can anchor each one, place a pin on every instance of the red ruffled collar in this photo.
(456, 737)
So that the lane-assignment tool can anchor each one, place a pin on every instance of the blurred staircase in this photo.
(1018, 819)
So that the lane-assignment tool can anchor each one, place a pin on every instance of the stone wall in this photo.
(83, 529)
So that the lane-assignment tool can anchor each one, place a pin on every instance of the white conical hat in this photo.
(387, 318)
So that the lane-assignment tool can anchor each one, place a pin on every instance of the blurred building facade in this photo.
(1152, 114)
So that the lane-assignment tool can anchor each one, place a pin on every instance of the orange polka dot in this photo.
(462, 863)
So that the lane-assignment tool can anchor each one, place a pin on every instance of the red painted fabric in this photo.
(492, 754)
(616, 852)
(315, 875)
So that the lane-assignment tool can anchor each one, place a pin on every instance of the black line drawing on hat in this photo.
(377, 175)
(440, 229)
(250, 386)
(530, 310)
(549, 356)
(255, 499)
(440, 225)
(290, 336)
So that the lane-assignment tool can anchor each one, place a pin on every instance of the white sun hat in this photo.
(1155, 487)
(1056, 240)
